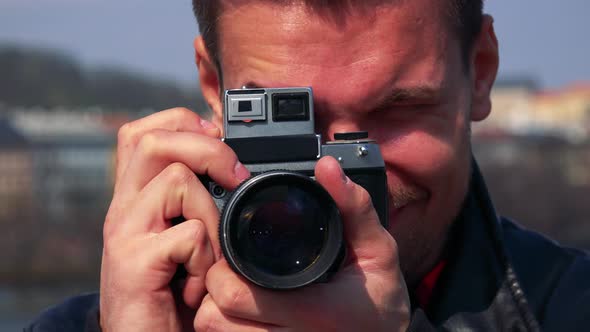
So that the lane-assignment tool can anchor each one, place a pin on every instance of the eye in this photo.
(406, 106)
(250, 85)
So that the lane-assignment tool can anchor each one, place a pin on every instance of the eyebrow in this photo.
(253, 85)
(421, 93)
(427, 94)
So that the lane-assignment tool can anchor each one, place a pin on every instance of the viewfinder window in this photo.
(290, 107)
(245, 106)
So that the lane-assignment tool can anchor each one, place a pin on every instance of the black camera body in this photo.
(280, 228)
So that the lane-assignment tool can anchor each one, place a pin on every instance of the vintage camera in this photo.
(280, 229)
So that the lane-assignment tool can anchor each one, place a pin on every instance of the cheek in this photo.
(430, 152)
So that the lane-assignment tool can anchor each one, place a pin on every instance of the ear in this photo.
(484, 62)
(209, 79)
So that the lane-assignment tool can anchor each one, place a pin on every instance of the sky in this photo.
(546, 40)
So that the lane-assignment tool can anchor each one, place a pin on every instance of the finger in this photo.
(203, 155)
(363, 232)
(196, 255)
(298, 309)
(176, 191)
(188, 244)
(175, 119)
(210, 318)
(185, 243)
(236, 297)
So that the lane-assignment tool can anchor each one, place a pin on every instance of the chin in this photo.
(420, 237)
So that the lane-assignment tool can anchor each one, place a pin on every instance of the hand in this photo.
(157, 158)
(367, 294)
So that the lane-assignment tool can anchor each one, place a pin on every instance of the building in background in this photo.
(565, 112)
(512, 108)
(57, 169)
(521, 109)
(71, 160)
(16, 173)
(56, 183)
(534, 151)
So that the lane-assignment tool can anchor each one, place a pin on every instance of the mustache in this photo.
(400, 196)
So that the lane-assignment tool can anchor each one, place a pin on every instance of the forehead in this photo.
(404, 42)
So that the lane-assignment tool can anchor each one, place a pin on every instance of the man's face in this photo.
(395, 71)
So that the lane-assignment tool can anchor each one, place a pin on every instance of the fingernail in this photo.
(345, 178)
(241, 172)
(207, 124)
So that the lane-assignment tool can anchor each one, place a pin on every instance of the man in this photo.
(414, 74)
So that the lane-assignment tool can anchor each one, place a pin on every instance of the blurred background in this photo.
(73, 71)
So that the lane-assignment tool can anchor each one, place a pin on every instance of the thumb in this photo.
(362, 230)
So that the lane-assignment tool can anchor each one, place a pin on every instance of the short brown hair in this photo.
(465, 17)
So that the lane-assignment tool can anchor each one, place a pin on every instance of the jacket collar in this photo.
(478, 284)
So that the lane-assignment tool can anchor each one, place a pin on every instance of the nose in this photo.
(328, 123)
(328, 126)
(331, 118)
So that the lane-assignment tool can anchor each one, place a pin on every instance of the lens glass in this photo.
(280, 229)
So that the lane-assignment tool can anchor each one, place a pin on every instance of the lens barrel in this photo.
(281, 230)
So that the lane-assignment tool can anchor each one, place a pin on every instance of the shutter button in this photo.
(351, 136)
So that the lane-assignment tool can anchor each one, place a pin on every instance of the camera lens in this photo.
(281, 230)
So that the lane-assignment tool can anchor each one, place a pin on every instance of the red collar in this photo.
(426, 287)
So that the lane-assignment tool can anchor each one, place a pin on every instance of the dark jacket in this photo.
(499, 277)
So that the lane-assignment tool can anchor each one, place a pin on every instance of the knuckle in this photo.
(211, 278)
(220, 157)
(107, 247)
(364, 199)
(107, 233)
(227, 156)
(387, 251)
(109, 226)
(183, 113)
(149, 142)
(125, 132)
(179, 174)
(206, 317)
(107, 229)
(144, 264)
(110, 249)
(390, 246)
(219, 148)
(195, 231)
(231, 298)
(182, 116)
(199, 234)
